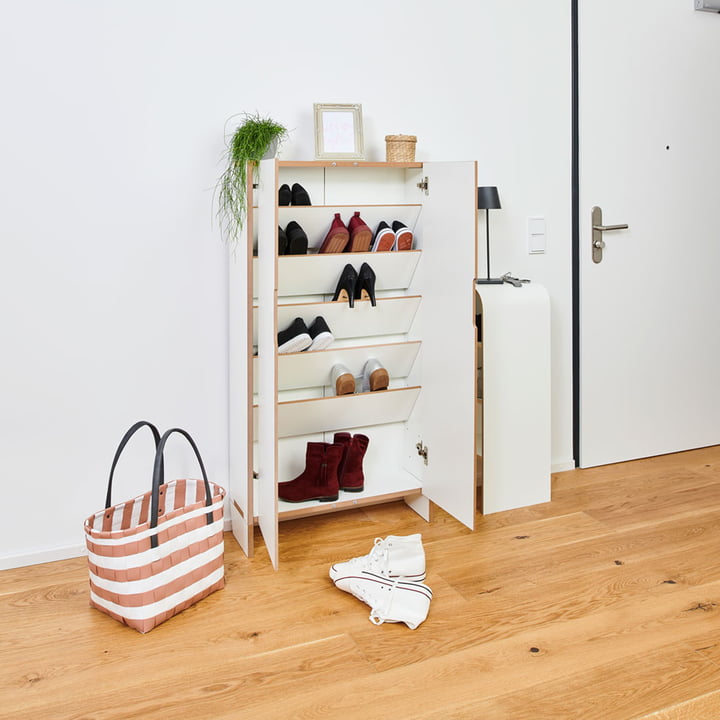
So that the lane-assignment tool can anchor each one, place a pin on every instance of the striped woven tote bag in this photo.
(156, 555)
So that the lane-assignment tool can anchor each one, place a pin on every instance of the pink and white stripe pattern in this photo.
(143, 586)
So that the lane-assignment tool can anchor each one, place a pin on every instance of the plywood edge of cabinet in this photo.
(344, 206)
(385, 487)
(343, 504)
(329, 304)
(241, 529)
(347, 163)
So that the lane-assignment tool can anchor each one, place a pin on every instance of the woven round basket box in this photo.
(400, 148)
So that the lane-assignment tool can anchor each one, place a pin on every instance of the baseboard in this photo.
(9, 562)
(562, 466)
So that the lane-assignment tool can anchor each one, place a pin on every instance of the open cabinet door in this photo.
(266, 492)
(445, 279)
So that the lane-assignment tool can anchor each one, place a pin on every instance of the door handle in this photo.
(597, 230)
(603, 228)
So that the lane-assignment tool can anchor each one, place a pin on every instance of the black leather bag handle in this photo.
(121, 447)
(158, 479)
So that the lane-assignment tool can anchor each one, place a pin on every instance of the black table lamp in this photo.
(488, 199)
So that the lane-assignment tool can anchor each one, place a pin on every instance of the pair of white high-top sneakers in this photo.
(389, 580)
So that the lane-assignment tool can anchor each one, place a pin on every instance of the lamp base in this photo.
(489, 281)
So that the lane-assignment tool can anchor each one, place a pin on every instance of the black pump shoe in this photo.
(345, 289)
(284, 195)
(365, 285)
(300, 195)
(297, 240)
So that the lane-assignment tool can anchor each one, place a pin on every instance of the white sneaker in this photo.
(391, 601)
(395, 557)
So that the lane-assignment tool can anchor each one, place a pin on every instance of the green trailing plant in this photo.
(248, 144)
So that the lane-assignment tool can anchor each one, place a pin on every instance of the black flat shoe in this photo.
(284, 195)
(345, 289)
(297, 240)
(294, 338)
(365, 285)
(299, 195)
(320, 334)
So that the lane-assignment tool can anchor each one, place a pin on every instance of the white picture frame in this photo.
(338, 132)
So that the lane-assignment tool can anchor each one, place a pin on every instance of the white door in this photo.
(649, 113)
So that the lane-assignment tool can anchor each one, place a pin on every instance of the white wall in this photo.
(112, 275)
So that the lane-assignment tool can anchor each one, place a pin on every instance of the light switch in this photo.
(536, 235)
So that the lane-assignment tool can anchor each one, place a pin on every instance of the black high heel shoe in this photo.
(365, 286)
(345, 289)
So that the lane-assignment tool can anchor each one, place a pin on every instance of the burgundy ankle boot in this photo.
(319, 480)
(343, 439)
(350, 475)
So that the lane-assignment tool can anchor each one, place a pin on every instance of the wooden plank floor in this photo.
(603, 604)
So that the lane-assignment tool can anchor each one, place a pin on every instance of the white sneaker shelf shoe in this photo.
(392, 601)
(395, 557)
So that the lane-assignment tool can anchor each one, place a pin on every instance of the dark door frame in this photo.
(575, 173)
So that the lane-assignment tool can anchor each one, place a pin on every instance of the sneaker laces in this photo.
(375, 561)
(378, 616)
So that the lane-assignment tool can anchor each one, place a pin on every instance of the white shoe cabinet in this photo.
(422, 428)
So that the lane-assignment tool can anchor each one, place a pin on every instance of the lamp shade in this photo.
(488, 198)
